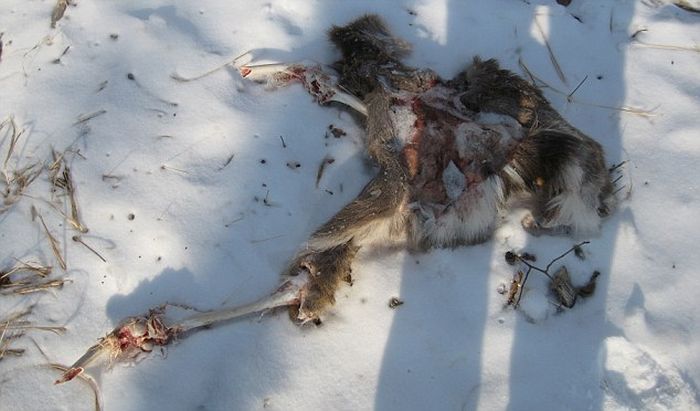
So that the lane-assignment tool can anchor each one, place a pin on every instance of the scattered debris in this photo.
(293, 164)
(87, 117)
(562, 287)
(227, 162)
(102, 86)
(395, 302)
(62, 180)
(58, 59)
(14, 326)
(515, 291)
(337, 132)
(588, 289)
(321, 168)
(560, 282)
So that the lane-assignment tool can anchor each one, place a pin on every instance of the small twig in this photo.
(227, 162)
(87, 117)
(131, 77)
(262, 240)
(582, 243)
(512, 257)
(78, 239)
(569, 97)
(102, 86)
(284, 145)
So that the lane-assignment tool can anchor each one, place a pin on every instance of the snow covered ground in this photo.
(188, 196)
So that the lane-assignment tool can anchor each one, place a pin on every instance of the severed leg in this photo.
(322, 85)
(139, 335)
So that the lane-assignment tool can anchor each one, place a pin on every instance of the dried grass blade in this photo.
(52, 240)
(34, 288)
(552, 58)
(74, 214)
(13, 139)
(87, 117)
(26, 325)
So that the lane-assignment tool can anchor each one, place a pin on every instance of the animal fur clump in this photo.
(450, 154)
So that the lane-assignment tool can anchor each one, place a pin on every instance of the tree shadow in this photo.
(540, 368)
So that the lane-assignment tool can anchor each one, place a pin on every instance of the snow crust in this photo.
(217, 212)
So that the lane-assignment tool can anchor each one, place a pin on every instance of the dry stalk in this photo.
(62, 179)
(89, 116)
(52, 240)
(552, 58)
(24, 288)
(14, 327)
(624, 109)
(33, 268)
(77, 239)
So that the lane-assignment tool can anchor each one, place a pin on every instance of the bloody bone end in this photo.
(69, 375)
(244, 71)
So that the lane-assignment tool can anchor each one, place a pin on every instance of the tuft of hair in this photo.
(368, 38)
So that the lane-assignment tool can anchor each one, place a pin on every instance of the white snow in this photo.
(208, 232)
